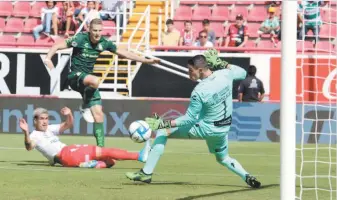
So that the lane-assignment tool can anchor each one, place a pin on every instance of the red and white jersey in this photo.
(47, 142)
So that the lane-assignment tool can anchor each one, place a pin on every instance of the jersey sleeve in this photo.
(55, 128)
(73, 41)
(110, 46)
(192, 112)
(237, 72)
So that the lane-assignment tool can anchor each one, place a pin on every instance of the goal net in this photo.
(316, 107)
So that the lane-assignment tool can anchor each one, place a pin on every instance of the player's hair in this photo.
(54, 2)
(251, 70)
(96, 22)
(199, 61)
(39, 111)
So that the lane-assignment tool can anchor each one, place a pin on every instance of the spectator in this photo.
(272, 4)
(91, 12)
(171, 36)
(309, 14)
(251, 89)
(109, 9)
(210, 33)
(187, 35)
(237, 34)
(270, 26)
(202, 42)
(48, 19)
(66, 18)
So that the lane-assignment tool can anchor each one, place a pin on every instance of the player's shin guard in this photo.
(234, 166)
(99, 134)
(156, 151)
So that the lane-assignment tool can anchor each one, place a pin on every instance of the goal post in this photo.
(288, 100)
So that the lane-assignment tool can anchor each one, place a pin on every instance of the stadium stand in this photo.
(19, 18)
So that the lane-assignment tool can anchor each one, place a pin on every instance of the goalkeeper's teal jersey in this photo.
(211, 102)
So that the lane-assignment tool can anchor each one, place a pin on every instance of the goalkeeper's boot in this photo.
(87, 115)
(139, 176)
(252, 181)
(144, 153)
(89, 164)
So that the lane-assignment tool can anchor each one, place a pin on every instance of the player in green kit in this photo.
(86, 49)
(208, 116)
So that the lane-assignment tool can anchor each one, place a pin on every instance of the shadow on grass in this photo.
(226, 192)
(32, 163)
(186, 183)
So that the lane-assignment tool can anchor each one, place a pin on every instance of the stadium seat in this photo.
(243, 3)
(257, 14)
(187, 3)
(201, 12)
(328, 16)
(183, 13)
(44, 42)
(107, 25)
(218, 28)
(14, 25)
(207, 2)
(30, 24)
(304, 45)
(238, 10)
(227, 3)
(324, 46)
(36, 9)
(25, 41)
(220, 13)
(2, 24)
(265, 44)
(250, 44)
(179, 25)
(197, 26)
(6, 9)
(328, 31)
(21, 9)
(7, 41)
(252, 29)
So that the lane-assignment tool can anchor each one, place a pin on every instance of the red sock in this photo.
(118, 154)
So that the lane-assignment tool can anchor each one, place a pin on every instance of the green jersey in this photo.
(85, 52)
(311, 12)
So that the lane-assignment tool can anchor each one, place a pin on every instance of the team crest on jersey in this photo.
(99, 46)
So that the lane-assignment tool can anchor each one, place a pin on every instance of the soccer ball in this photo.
(139, 131)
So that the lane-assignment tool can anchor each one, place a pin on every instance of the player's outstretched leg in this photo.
(107, 154)
(145, 174)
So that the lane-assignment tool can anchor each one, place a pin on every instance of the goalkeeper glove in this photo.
(156, 122)
(213, 61)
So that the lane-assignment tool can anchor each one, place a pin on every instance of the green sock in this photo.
(99, 134)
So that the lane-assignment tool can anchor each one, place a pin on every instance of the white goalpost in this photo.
(288, 100)
(308, 106)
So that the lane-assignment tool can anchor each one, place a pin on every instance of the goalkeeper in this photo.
(208, 116)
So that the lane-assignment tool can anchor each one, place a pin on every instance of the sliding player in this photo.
(86, 49)
(208, 116)
(44, 138)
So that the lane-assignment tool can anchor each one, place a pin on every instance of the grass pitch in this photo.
(186, 171)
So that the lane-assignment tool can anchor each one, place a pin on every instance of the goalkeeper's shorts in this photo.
(89, 95)
(217, 143)
(73, 155)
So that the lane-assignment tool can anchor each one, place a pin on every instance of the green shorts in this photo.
(90, 96)
(217, 143)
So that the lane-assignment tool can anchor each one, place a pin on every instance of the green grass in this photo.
(185, 171)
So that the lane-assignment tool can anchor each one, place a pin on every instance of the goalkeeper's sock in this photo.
(234, 166)
(156, 151)
(99, 134)
(117, 154)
